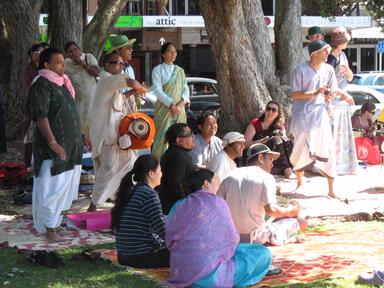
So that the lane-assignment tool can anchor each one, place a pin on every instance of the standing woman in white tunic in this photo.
(346, 158)
(171, 90)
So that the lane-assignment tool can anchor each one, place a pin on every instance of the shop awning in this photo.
(368, 33)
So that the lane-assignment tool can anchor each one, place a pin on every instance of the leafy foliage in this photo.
(332, 8)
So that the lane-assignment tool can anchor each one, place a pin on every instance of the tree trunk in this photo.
(65, 22)
(100, 27)
(240, 67)
(5, 55)
(21, 20)
(160, 7)
(262, 48)
(289, 47)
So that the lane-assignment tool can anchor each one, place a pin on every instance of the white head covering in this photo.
(231, 137)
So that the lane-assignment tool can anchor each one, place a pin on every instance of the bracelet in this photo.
(52, 142)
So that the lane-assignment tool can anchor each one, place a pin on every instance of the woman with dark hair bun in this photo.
(137, 218)
(170, 87)
(204, 243)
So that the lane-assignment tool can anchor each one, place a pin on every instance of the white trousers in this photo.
(316, 146)
(110, 168)
(52, 195)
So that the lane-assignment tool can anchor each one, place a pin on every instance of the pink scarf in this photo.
(58, 80)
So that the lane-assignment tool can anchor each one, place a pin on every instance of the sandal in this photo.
(42, 257)
(87, 254)
(274, 270)
(372, 278)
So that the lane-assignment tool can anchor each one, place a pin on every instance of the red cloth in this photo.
(256, 123)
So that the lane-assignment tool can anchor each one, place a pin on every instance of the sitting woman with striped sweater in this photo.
(137, 217)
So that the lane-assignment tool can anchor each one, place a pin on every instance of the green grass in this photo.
(15, 272)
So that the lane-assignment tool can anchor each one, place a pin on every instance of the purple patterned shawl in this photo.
(201, 237)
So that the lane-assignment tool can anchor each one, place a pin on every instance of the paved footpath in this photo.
(364, 193)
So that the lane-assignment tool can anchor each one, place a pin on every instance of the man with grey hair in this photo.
(251, 195)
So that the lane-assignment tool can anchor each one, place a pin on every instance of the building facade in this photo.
(181, 23)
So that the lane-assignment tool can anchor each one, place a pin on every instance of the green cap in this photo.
(115, 42)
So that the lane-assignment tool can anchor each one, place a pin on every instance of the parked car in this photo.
(362, 94)
(374, 80)
(204, 96)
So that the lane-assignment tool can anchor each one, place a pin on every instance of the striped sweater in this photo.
(141, 226)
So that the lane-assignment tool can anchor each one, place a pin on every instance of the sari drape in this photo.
(163, 116)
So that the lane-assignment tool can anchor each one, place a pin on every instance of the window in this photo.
(359, 97)
(369, 80)
(379, 81)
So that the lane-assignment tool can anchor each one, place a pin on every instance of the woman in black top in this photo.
(137, 217)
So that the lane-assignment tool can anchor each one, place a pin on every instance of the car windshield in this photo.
(379, 81)
(200, 89)
(369, 80)
(356, 80)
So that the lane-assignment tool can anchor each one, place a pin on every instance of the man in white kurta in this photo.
(109, 106)
(313, 86)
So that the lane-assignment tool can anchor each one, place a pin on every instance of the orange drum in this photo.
(140, 127)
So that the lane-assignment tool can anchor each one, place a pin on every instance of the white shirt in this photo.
(222, 165)
(109, 107)
(203, 152)
(247, 190)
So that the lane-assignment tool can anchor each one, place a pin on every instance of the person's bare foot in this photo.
(53, 237)
(332, 195)
(61, 232)
(92, 207)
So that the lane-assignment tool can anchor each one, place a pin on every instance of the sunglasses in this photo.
(186, 135)
(271, 109)
(116, 62)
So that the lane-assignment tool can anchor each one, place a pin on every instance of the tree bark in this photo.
(5, 55)
(160, 6)
(289, 47)
(65, 22)
(262, 48)
(100, 27)
(21, 21)
(241, 64)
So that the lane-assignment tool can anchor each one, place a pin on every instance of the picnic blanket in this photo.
(20, 233)
(328, 254)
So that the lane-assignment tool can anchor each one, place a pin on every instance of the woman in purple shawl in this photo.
(204, 243)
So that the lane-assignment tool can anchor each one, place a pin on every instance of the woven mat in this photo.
(20, 233)
(323, 255)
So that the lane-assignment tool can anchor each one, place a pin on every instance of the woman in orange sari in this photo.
(171, 90)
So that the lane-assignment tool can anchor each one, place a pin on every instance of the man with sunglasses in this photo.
(109, 107)
(176, 164)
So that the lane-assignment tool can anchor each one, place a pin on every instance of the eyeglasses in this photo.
(270, 109)
(116, 62)
(186, 135)
(36, 52)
